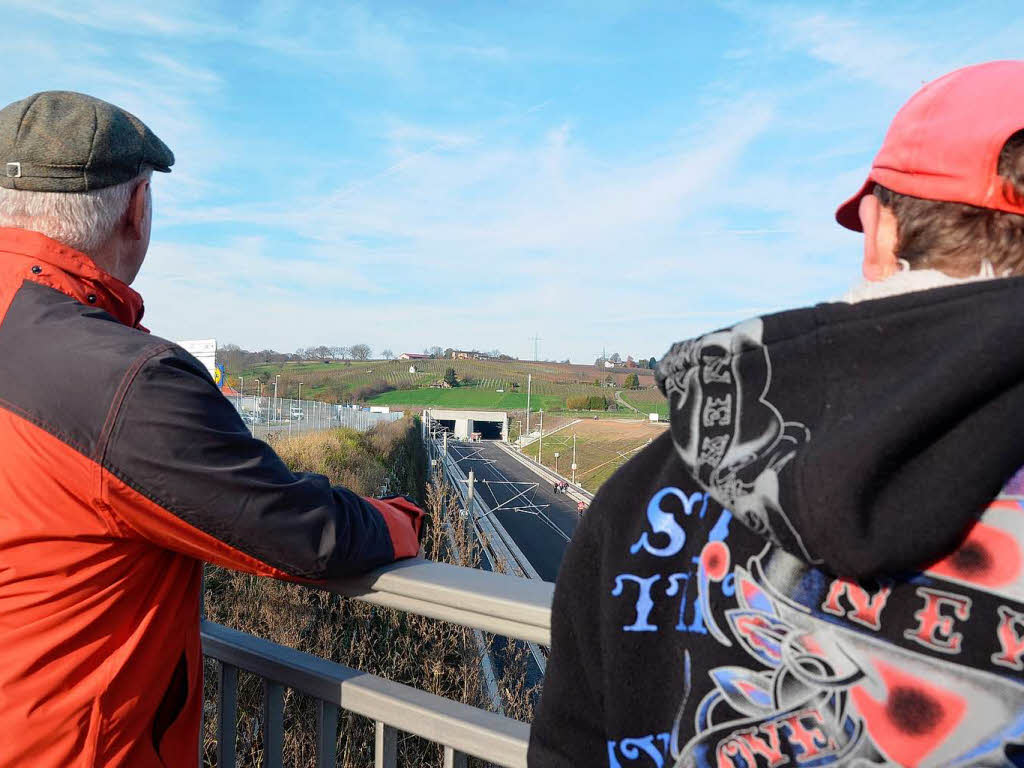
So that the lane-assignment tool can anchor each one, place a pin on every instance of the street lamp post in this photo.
(277, 405)
(256, 406)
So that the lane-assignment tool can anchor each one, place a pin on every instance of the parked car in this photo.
(297, 414)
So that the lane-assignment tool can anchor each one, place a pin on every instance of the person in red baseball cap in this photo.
(822, 561)
(951, 167)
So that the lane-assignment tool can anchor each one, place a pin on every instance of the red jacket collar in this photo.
(73, 273)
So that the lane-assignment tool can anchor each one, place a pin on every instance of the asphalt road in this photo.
(538, 520)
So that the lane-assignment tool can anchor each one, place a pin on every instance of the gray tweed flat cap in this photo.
(61, 141)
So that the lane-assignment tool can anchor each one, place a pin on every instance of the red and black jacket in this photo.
(122, 469)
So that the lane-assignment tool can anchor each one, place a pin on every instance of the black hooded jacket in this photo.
(821, 563)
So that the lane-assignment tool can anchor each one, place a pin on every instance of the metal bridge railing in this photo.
(494, 602)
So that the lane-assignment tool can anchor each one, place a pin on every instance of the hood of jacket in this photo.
(865, 437)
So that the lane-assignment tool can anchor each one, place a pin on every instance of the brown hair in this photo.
(957, 238)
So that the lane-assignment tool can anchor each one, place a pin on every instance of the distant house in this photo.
(609, 364)
(412, 356)
(462, 354)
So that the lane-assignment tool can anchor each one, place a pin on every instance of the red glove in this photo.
(405, 523)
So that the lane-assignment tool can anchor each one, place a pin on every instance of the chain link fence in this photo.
(285, 416)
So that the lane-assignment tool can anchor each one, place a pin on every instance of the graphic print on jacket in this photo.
(837, 672)
(729, 435)
(821, 564)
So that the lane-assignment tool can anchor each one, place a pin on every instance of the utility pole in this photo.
(540, 442)
(469, 493)
(574, 458)
(529, 384)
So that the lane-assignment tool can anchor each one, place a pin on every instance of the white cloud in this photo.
(493, 233)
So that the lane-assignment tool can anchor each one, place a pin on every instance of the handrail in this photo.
(461, 728)
(494, 602)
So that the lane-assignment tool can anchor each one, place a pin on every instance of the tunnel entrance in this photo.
(489, 430)
(464, 425)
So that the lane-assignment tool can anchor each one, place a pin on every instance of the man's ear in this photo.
(879, 241)
(136, 214)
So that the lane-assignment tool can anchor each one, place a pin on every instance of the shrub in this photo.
(586, 403)
(367, 391)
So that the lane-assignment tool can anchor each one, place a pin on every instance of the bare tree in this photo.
(339, 353)
(360, 351)
(387, 354)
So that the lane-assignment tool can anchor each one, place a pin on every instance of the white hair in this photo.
(80, 220)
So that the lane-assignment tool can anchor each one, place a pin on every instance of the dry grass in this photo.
(601, 448)
(434, 656)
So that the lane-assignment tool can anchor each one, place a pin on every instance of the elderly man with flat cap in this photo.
(122, 467)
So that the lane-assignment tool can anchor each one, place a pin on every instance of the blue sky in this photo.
(610, 175)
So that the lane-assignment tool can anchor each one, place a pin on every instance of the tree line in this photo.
(235, 359)
(628, 362)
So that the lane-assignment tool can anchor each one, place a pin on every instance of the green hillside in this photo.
(402, 382)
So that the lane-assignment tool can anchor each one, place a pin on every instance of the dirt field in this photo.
(618, 429)
(602, 446)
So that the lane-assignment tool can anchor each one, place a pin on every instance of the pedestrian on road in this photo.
(822, 562)
(580, 508)
(122, 467)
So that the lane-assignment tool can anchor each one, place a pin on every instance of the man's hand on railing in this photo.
(404, 511)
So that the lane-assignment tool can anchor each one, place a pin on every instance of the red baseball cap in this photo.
(944, 143)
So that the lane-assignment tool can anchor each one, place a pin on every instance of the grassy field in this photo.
(467, 397)
(601, 448)
(647, 401)
(365, 381)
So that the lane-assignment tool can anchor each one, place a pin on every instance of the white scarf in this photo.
(908, 280)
